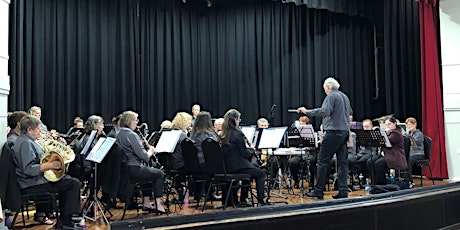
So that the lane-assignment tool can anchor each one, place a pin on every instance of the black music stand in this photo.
(270, 138)
(165, 145)
(96, 155)
(372, 138)
(306, 138)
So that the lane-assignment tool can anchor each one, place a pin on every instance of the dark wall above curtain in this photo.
(78, 58)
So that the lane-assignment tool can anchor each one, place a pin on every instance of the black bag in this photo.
(385, 188)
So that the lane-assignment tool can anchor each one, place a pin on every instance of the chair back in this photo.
(9, 187)
(407, 148)
(213, 158)
(189, 152)
(427, 147)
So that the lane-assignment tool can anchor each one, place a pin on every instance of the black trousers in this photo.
(333, 142)
(377, 166)
(259, 176)
(412, 160)
(68, 189)
(294, 165)
(144, 174)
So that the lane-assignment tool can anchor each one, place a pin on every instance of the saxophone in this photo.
(54, 151)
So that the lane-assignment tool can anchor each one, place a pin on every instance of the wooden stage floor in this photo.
(292, 198)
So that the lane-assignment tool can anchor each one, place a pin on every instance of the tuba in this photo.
(54, 151)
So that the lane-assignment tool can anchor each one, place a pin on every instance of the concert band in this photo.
(136, 154)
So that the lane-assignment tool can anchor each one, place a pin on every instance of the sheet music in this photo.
(168, 141)
(307, 131)
(385, 137)
(271, 137)
(101, 149)
(88, 144)
(248, 132)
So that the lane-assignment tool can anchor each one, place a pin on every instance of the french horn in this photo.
(54, 151)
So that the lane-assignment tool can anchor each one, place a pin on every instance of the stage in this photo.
(428, 207)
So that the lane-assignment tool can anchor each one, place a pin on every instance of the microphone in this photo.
(272, 112)
(273, 107)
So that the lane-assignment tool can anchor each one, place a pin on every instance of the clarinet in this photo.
(153, 159)
(259, 160)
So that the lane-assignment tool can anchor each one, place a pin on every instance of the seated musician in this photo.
(37, 112)
(137, 156)
(26, 156)
(295, 161)
(237, 156)
(14, 122)
(94, 122)
(416, 144)
(394, 156)
(202, 129)
(175, 160)
(365, 152)
(218, 125)
(116, 126)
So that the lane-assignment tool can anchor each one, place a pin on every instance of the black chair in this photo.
(215, 167)
(405, 171)
(136, 193)
(193, 171)
(426, 161)
(14, 198)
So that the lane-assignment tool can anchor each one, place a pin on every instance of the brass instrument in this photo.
(54, 151)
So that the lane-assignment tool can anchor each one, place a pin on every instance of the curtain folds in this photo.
(84, 57)
(432, 107)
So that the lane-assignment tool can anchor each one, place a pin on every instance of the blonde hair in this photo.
(411, 120)
(34, 109)
(182, 120)
(127, 117)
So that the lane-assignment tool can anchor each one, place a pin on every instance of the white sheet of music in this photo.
(88, 144)
(248, 132)
(101, 149)
(307, 131)
(271, 137)
(387, 141)
(168, 141)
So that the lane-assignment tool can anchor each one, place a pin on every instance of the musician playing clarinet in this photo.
(137, 155)
(237, 156)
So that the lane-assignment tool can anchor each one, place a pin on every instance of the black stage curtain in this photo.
(402, 59)
(84, 57)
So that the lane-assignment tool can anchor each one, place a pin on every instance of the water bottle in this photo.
(367, 187)
(392, 179)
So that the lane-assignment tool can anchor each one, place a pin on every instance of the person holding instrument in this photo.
(130, 143)
(394, 156)
(416, 144)
(26, 155)
(237, 156)
(335, 111)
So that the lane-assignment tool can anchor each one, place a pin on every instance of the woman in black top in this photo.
(237, 156)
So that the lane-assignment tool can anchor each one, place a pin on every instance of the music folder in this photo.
(271, 137)
(101, 149)
(168, 141)
(88, 143)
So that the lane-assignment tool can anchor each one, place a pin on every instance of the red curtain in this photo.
(432, 109)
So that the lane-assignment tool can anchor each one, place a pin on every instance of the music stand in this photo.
(270, 138)
(372, 138)
(96, 155)
(165, 145)
(306, 138)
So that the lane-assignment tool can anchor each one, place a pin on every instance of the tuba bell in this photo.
(54, 151)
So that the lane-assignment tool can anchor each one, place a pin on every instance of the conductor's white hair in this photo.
(330, 82)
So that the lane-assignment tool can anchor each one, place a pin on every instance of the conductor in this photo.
(335, 111)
